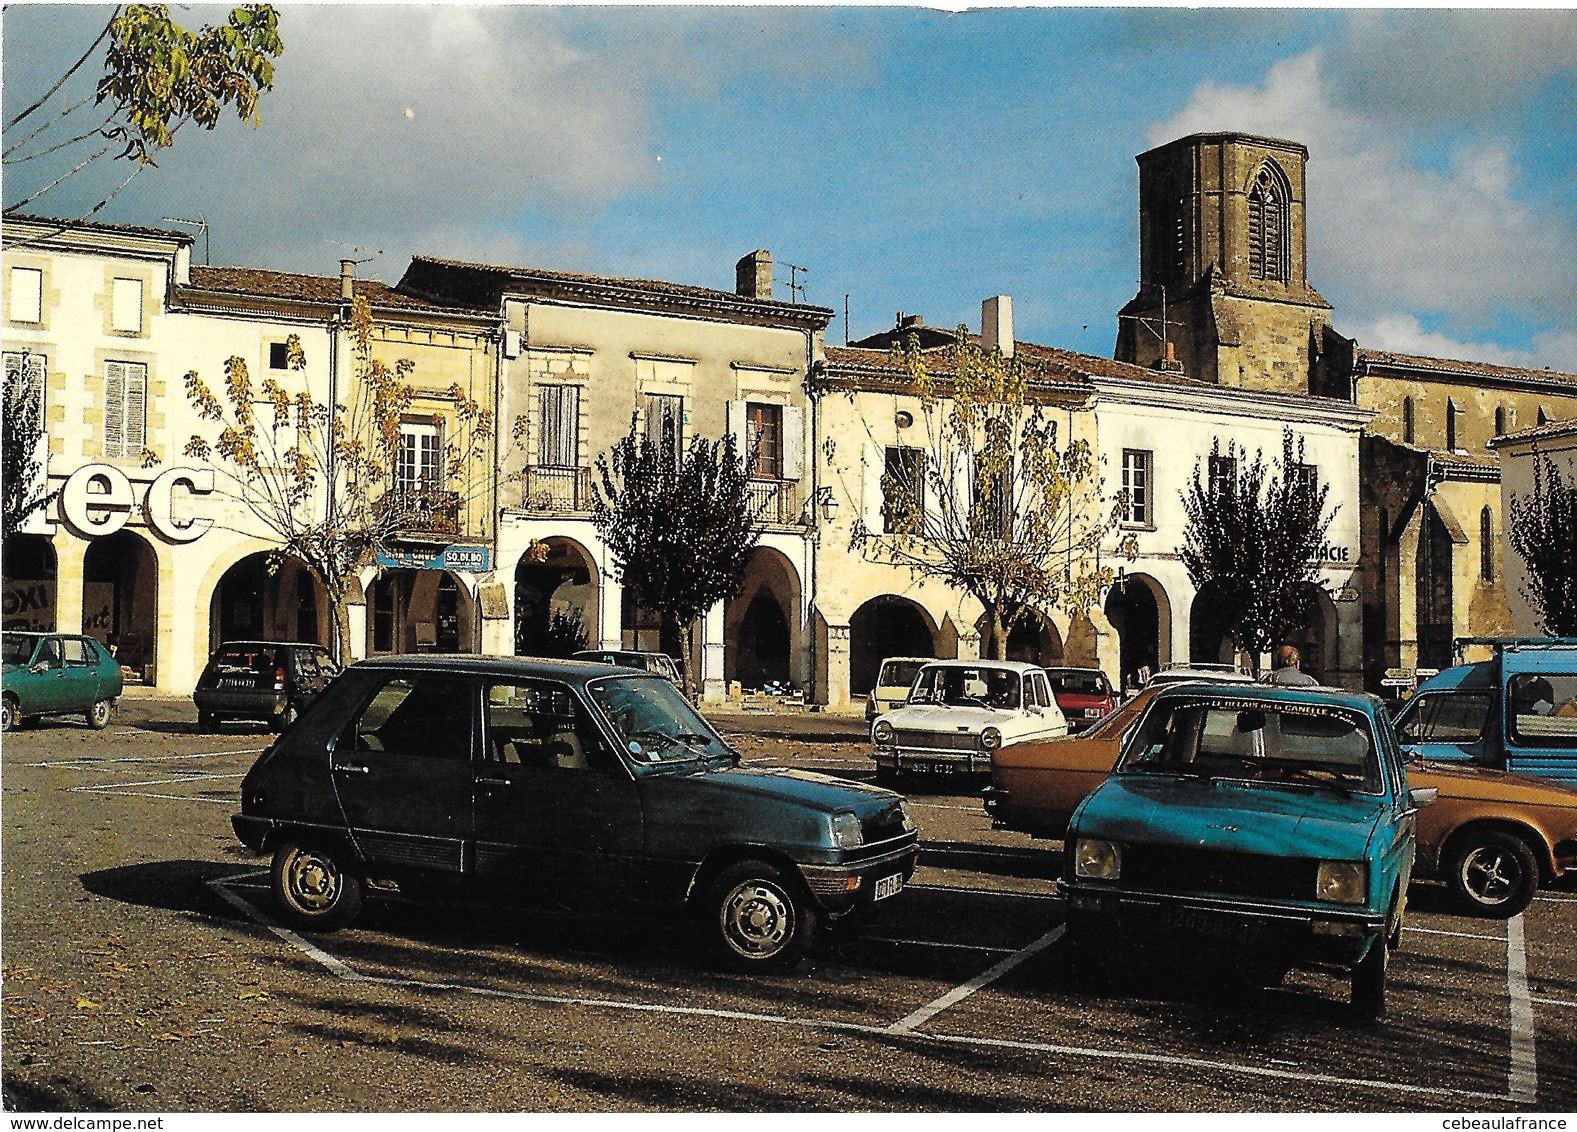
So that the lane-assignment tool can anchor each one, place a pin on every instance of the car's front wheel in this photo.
(10, 715)
(98, 716)
(763, 921)
(314, 887)
(1493, 874)
(1368, 979)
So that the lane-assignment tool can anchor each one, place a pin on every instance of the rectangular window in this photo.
(1305, 477)
(417, 472)
(278, 355)
(903, 491)
(764, 440)
(29, 368)
(125, 408)
(1137, 470)
(127, 313)
(26, 301)
(664, 422)
(558, 410)
(1223, 476)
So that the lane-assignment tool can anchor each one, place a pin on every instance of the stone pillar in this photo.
(835, 690)
(69, 552)
(610, 617)
(714, 689)
(496, 612)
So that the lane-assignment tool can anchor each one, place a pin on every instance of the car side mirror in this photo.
(41, 666)
(1421, 796)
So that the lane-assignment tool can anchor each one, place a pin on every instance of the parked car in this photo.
(1272, 826)
(270, 681)
(658, 662)
(57, 674)
(1516, 711)
(893, 681)
(959, 712)
(1036, 786)
(1084, 694)
(1494, 837)
(565, 783)
(1193, 673)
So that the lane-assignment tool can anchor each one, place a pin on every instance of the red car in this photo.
(1084, 695)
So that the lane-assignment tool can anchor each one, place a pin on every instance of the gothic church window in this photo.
(1268, 223)
(1170, 219)
(1486, 545)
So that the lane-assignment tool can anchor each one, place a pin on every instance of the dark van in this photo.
(1516, 711)
(267, 681)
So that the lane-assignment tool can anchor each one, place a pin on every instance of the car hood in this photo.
(817, 791)
(1230, 816)
(1482, 783)
(935, 717)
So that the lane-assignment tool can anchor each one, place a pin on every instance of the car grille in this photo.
(1173, 869)
(936, 740)
(883, 826)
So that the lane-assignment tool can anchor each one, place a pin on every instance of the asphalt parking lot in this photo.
(144, 971)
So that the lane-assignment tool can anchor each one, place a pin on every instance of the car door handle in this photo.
(494, 782)
(348, 768)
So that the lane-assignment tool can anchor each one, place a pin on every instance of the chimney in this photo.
(1169, 363)
(996, 324)
(753, 276)
(910, 321)
(347, 279)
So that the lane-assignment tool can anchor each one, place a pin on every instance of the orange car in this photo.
(1036, 786)
(1494, 837)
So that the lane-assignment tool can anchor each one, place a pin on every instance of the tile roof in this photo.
(98, 226)
(1052, 364)
(1547, 431)
(1362, 357)
(322, 289)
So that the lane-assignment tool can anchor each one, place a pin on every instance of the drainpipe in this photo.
(815, 528)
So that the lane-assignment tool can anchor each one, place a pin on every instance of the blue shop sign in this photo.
(460, 556)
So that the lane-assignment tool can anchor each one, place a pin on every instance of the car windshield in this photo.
(1078, 683)
(654, 721)
(17, 650)
(1257, 741)
(963, 686)
(899, 673)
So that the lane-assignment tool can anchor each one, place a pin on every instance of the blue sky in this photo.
(915, 160)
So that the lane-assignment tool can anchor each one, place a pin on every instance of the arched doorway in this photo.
(260, 600)
(1033, 640)
(761, 629)
(886, 626)
(1316, 640)
(1137, 610)
(1208, 642)
(412, 611)
(556, 602)
(120, 599)
(30, 570)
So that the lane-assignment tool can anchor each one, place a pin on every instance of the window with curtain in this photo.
(764, 440)
(558, 411)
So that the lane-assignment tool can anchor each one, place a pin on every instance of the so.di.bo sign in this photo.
(99, 499)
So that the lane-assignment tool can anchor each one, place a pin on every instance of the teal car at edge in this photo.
(1272, 827)
(57, 674)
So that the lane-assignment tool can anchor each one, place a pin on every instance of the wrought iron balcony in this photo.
(775, 501)
(418, 512)
(557, 490)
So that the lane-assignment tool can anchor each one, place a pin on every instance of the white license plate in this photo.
(1092, 713)
(887, 886)
(930, 768)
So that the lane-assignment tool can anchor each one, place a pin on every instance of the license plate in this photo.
(930, 768)
(1211, 924)
(887, 886)
(1092, 713)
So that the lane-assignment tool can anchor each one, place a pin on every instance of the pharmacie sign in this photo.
(460, 556)
(100, 499)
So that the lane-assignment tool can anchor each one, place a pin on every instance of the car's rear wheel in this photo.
(763, 921)
(314, 887)
(98, 716)
(1368, 979)
(1492, 874)
(207, 722)
(10, 716)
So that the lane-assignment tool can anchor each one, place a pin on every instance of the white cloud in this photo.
(1404, 334)
(1385, 235)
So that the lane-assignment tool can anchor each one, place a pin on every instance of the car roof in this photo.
(272, 645)
(1072, 668)
(468, 664)
(1018, 666)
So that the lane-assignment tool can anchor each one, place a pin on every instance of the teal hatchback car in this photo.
(1270, 826)
(57, 674)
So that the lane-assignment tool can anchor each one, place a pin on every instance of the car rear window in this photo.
(237, 666)
(1541, 709)
(1079, 683)
(899, 673)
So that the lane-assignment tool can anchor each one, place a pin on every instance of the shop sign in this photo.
(98, 500)
(460, 556)
(29, 605)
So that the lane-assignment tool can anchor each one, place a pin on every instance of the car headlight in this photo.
(908, 821)
(1342, 882)
(1095, 859)
(882, 733)
(846, 832)
(990, 739)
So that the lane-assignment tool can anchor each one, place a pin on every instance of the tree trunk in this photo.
(997, 648)
(686, 647)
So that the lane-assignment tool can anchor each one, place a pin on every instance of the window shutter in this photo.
(114, 408)
(793, 442)
(739, 428)
(136, 409)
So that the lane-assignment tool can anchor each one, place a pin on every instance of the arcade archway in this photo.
(557, 601)
(1138, 610)
(886, 626)
(120, 600)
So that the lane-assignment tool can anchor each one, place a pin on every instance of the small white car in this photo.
(959, 711)
(893, 681)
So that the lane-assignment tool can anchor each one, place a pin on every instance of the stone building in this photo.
(1517, 453)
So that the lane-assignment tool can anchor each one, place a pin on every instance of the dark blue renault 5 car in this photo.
(1272, 827)
(574, 784)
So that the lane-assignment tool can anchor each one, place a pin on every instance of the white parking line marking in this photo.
(1553, 1002)
(112, 786)
(959, 993)
(934, 943)
(86, 762)
(1458, 935)
(1556, 899)
(343, 971)
(1523, 1082)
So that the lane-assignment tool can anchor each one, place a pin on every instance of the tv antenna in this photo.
(201, 224)
(1158, 327)
(359, 254)
(796, 288)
